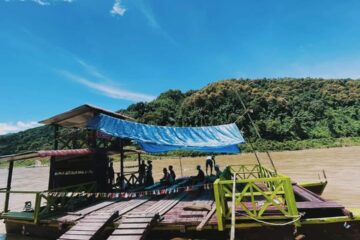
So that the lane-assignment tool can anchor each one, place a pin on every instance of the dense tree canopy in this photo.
(282, 109)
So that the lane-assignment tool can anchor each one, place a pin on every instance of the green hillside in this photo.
(289, 113)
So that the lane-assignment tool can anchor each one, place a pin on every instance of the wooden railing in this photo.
(260, 195)
(46, 204)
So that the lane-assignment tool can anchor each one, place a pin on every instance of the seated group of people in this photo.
(168, 177)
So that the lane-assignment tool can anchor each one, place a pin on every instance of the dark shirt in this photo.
(172, 173)
(142, 169)
(111, 173)
(149, 169)
(166, 178)
(201, 175)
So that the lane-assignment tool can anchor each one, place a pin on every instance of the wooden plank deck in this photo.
(88, 229)
(179, 214)
(136, 224)
(71, 217)
(306, 195)
(138, 216)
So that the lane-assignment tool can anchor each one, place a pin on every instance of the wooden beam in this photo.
(122, 177)
(8, 186)
(232, 231)
(206, 219)
(139, 160)
(52, 159)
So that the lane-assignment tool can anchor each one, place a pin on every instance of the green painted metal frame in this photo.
(258, 190)
(54, 204)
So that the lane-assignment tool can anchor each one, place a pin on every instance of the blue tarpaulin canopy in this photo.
(157, 139)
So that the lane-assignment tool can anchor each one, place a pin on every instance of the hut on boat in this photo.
(84, 202)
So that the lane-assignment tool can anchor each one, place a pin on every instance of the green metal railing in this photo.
(45, 203)
(260, 195)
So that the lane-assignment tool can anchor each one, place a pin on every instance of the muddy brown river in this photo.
(342, 167)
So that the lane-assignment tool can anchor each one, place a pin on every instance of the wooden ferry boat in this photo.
(81, 202)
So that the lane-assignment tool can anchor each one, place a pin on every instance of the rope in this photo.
(275, 224)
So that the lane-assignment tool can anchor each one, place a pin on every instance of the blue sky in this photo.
(58, 54)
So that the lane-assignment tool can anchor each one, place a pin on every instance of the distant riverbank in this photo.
(260, 146)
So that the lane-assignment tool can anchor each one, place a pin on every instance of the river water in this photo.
(342, 167)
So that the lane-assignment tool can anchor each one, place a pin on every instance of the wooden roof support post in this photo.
(91, 138)
(139, 160)
(122, 158)
(52, 159)
(8, 186)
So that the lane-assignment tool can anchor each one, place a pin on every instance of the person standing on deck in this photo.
(209, 163)
(142, 168)
(172, 173)
(149, 177)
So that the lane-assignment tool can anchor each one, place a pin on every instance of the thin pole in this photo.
(255, 153)
(181, 169)
(8, 186)
(256, 130)
(232, 231)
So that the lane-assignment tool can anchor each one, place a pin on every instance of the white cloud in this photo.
(117, 9)
(109, 90)
(145, 8)
(42, 2)
(6, 128)
(92, 70)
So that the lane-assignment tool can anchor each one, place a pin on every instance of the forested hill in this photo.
(283, 109)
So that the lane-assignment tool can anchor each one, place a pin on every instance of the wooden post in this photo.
(91, 139)
(219, 206)
(56, 136)
(181, 168)
(122, 164)
(139, 160)
(37, 208)
(8, 186)
(52, 159)
(232, 230)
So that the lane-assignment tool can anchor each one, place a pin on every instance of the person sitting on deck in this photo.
(142, 168)
(172, 173)
(166, 179)
(217, 171)
(209, 163)
(149, 178)
(200, 177)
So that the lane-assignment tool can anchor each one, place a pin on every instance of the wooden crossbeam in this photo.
(206, 219)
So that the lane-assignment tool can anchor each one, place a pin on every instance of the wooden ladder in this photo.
(134, 226)
(90, 226)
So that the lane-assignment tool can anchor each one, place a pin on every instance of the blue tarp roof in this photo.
(157, 139)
